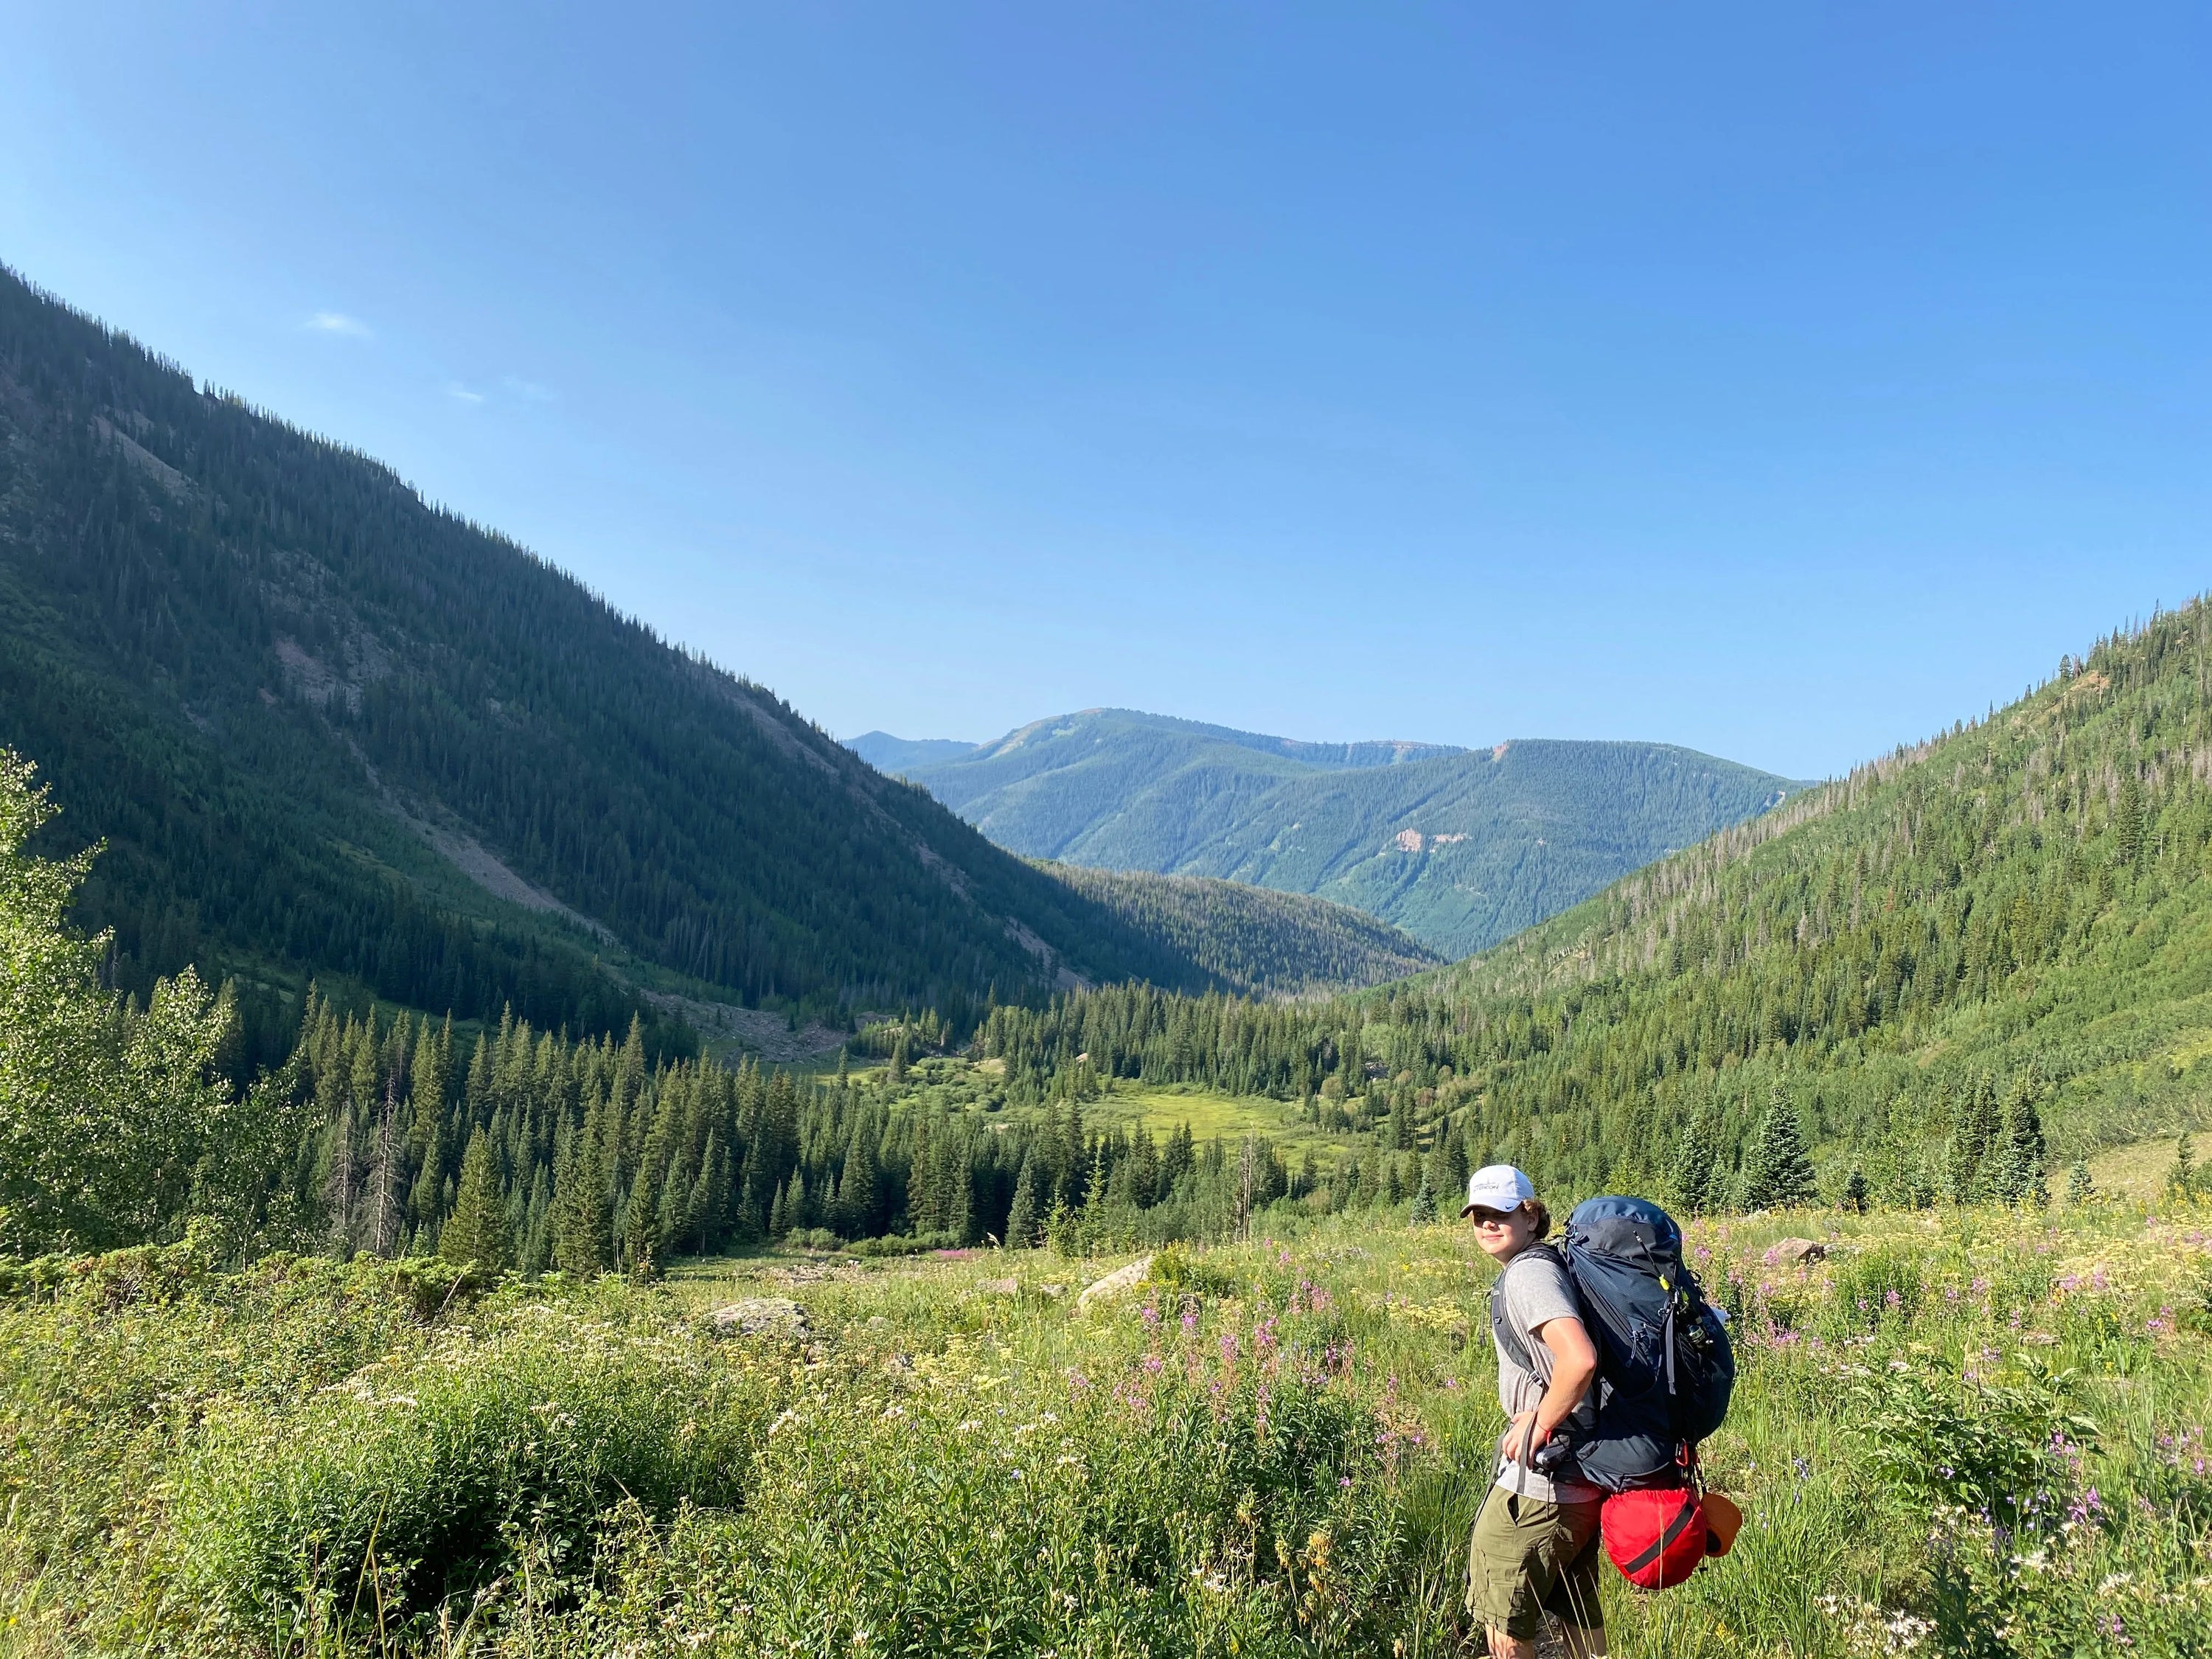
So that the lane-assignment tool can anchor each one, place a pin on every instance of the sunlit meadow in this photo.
(1959, 1432)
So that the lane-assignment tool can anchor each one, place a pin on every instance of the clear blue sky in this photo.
(1783, 380)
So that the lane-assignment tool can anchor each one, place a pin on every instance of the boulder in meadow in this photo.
(1121, 1279)
(776, 1318)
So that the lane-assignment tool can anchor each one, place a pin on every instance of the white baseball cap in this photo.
(1498, 1187)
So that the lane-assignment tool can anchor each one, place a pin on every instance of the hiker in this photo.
(1535, 1547)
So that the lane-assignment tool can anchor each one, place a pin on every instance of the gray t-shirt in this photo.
(1535, 1292)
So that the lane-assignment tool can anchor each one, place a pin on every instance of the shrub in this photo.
(1208, 1506)
(1180, 1270)
(412, 1479)
(1882, 1284)
(907, 1244)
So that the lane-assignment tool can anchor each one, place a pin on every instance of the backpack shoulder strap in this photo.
(1515, 1343)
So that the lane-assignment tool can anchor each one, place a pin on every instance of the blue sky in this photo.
(1783, 381)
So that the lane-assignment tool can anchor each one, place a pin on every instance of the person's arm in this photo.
(1574, 1368)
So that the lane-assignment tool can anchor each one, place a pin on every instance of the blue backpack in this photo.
(1665, 1369)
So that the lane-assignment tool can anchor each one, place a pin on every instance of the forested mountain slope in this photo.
(1119, 790)
(2011, 922)
(1458, 848)
(327, 729)
(1255, 941)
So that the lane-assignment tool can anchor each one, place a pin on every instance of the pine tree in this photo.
(2181, 1180)
(1022, 1219)
(477, 1230)
(1855, 1191)
(1776, 1173)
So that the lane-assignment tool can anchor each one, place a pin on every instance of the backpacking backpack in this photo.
(1664, 1366)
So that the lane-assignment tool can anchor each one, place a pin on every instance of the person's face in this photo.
(1503, 1234)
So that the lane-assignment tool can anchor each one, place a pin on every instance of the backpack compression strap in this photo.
(1675, 1529)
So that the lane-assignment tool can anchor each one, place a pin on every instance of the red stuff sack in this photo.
(1657, 1538)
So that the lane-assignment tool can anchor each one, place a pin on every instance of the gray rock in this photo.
(776, 1318)
(1800, 1252)
(1122, 1279)
(1008, 1287)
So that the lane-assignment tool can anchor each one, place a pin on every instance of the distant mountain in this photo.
(1119, 790)
(1257, 941)
(327, 730)
(1459, 847)
(895, 756)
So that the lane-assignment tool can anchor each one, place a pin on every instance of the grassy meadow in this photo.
(1975, 1432)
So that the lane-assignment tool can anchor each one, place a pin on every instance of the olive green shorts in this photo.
(1527, 1558)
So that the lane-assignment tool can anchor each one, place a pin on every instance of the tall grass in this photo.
(1980, 1433)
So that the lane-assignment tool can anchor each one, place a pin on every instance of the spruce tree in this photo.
(2080, 1189)
(2181, 1180)
(477, 1230)
(857, 1187)
(1424, 1204)
(1855, 1191)
(1695, 1178)
(1453, 1171)
(639, 1228)
(581, 1241)
(1967, 1172)
(2021, 1178)
(1776, 1174)
(2127, 822)
(1021, 1219)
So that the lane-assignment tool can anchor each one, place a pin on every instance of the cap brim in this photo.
(1467, 1210)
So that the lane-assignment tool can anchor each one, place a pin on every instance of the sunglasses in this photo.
(1490, 1218)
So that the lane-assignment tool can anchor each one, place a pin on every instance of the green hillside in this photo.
(1458, 848)
(1253, 939)
(325, 729)
(1463, 851)
(2003, 931)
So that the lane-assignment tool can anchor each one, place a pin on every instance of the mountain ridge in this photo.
(329, 731)
(1458, 847)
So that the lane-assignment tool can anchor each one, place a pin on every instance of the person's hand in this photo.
(1510, 1442)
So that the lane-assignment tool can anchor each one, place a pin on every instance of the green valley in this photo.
(1921, 965)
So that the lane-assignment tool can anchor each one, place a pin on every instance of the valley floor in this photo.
(1978, 1432)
